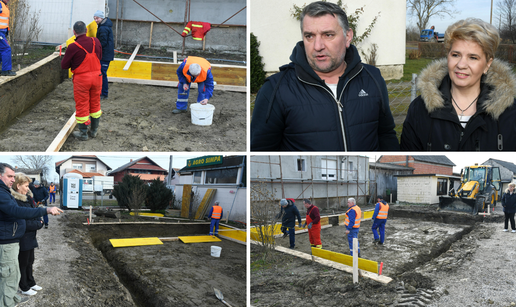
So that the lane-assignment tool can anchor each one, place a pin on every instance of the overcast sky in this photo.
(116, 160)
(466, 8)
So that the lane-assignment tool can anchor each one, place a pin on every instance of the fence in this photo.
(400, 96)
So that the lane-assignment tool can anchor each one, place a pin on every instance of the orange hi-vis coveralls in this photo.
(87, 85)
(314, 234)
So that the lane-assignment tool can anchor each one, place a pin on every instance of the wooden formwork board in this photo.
(198, 239)
(61, 137)
(206, 200)
(185, 203)
(339, 266)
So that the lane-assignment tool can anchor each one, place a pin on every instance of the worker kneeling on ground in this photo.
(198, 70)
(379, 219)
(313, 219)
(83, 57)
(352, 222)
(288, 215)
(215, 215)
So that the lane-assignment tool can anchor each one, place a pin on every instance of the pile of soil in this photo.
(135, 118)
(77, 266)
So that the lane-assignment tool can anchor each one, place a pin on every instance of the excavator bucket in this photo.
(458, 204)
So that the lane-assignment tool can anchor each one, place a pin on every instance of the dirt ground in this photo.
(135, 118)
(77, 266)
(428, 254)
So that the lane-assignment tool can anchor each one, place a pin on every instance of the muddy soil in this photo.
(135, 118)
(428, 260)
(77, 266)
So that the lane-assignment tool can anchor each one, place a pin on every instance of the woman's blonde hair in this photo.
(19, 179)
(473, 30)
(512, 184)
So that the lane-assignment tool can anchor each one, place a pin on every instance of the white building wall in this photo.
(418, 190)
(278, 32)
(58, 16)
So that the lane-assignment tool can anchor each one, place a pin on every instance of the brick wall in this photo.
(419, 167)
(416, 190)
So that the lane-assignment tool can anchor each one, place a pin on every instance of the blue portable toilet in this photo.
(72, 191)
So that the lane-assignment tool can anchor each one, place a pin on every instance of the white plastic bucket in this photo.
(202, 115)
(215, 251)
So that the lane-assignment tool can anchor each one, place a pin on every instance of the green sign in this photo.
(204, 161)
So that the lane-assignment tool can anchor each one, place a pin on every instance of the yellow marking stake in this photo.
(363, 264)
(199, 239)
(135, 242)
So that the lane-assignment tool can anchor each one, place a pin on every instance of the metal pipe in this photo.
(233, 15)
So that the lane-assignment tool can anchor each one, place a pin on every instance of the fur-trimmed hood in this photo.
(499, 77)
(19, 196)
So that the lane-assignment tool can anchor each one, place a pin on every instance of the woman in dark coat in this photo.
(21, 192)
(467, 100)
(509, 206)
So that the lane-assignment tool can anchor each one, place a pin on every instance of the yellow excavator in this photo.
(480, 186)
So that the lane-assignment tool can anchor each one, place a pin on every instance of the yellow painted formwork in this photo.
(185, 201)
(199, 239)
(135, 242)
(138, 70)
(363, 264)
(148, 214)
(206, 200)
(234, 233)
(271, 230)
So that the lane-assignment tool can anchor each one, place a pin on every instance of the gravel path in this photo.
(487, 277)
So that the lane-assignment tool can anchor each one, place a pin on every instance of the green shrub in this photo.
(257, 72)
(131, 192)
(159, 197)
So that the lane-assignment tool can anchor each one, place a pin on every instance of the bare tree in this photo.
(137, 199)
(506, 12)
(423, 10)
(264, 216)
(34, 162)
(24, 27)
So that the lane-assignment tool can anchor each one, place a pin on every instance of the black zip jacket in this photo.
(296, 111)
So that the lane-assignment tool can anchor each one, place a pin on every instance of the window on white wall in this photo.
(301, 165)
(197, 177)
(91, 168)
(77, 166)
(328, 169)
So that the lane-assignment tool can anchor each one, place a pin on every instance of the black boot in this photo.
(94, 126)
(82, 134)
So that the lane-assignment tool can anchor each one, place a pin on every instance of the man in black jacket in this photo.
(325, 99)
(288, 215)
(40, 197)
(105, 36)
(12, 228)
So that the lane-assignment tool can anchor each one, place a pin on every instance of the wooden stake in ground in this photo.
(355, 260)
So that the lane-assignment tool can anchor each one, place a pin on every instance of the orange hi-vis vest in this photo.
(217, 212)
(205, 66)
(358, 216)
(384, 210)
(90, 63)
(4, 16)
(52, 189)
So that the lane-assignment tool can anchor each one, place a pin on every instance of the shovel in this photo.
(220, 296)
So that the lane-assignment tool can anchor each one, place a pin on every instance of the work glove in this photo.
(310, 226)
(186, 87)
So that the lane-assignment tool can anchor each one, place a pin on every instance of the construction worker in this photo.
(379, 219)
(198, 70)
(215, 215)
(288, 214)
(83, 57)
(52, 193)
(313, 219)
(105, 36)
(5, 49)
(352, 222)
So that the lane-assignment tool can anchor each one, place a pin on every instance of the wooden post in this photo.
(355, 260)
(128, 64)
(150, 38)
(91, 210)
